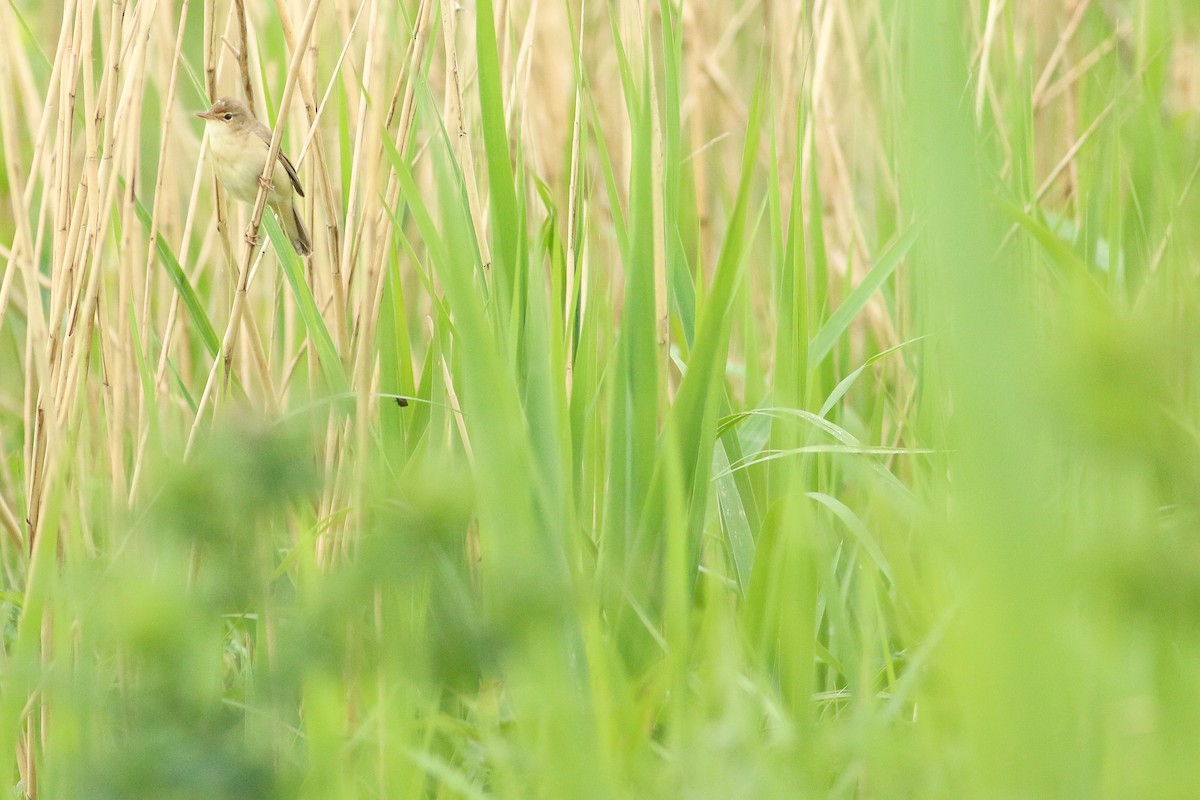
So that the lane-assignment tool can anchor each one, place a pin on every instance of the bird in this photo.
(238, 148)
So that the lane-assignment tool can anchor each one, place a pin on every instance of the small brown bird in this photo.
(238, 144)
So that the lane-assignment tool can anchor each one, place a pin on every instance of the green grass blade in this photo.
(191, 302)
(314, 323)
(839, 322)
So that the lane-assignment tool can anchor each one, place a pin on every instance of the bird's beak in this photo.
(205, 115)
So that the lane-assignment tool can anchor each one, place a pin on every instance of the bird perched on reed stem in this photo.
(238, 145)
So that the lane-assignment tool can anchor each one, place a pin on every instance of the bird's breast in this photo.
(238, 162)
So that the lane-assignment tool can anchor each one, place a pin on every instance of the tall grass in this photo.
(692, 399)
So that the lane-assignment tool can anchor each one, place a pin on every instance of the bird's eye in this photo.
(229, 116)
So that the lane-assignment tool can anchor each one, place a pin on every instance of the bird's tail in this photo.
(294, 227)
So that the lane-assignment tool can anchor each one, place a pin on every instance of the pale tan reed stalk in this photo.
(571, 302)
(662, 318)
(460, 131)
(984, 83)
(243, 52)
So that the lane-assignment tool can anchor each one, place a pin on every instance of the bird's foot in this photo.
(252, 238)
(264, 182)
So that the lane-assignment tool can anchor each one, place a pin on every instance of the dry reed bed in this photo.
(109, 127)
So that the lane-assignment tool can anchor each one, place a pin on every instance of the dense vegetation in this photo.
(705, 399)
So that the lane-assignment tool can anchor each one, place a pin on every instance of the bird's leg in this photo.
(252, 238)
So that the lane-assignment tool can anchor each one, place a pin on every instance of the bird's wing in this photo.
(264, 133)
(291, 171)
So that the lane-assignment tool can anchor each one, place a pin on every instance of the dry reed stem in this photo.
(984, 83)
(662, 316)
(243, 53)
(1060, 49)
(363, 177)
(571, 310)
(8, 521)
(328, 195)
(156, 213)
(518, 98)
(461, 145)
(1085, 65)
(212, 66)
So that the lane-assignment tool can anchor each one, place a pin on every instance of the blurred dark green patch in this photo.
(180, 759)
(220, 506)
(1112, 381)
(420, 521)
(163, 727)
(418, 555)
(1115, 388)
(1153, 576)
